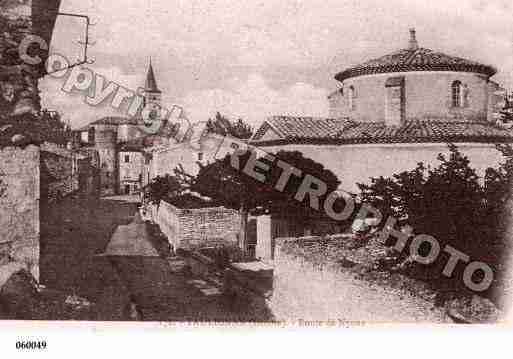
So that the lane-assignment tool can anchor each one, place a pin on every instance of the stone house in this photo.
(389, 114)
(164, 159)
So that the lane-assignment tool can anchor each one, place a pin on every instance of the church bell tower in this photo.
(152, 94)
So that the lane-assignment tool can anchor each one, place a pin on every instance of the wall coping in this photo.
(197, 210)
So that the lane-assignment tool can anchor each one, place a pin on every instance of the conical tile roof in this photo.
(415, 58)
(151, 83)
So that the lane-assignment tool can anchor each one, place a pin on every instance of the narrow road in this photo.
(97, 249)
(73, 233)
(161, 287)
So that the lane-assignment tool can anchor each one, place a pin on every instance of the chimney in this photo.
(413, 44)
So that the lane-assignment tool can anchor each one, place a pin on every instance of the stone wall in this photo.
(19, 209)
(88, 172)
(193, 228)
(59, 175)
(20, 166)
(324, 290)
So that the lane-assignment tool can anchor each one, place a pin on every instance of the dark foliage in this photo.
(233, 188)
(223, 126)
(45, 126)
(188, 201)
(162, 187)
(449, 203)
(506, 113)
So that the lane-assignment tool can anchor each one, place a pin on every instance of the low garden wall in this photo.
(194, 228)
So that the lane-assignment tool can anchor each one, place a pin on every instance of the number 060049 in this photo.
(31, 345)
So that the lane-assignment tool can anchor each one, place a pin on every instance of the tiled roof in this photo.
(113, 121)
(299, 127)
(139, 144)
(415, 59)
(425, 131)
(307, 130)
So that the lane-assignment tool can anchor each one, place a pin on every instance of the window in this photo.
(127, 158)
(351, 98)
(458, 94)
(200, 156)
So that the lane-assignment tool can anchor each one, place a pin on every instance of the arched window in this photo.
(351, 98)
(457, 94)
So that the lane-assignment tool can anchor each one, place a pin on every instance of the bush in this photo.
(449, 203)
(162, 187)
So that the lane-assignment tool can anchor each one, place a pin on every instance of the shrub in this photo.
(162, 187)
(451, 204)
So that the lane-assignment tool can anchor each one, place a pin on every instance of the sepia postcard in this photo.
(306, 163)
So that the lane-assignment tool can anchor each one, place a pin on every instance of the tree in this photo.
(223, 126)
(163, 187)
(506, 113)
(233, 188)
(35, 128)
(450, 203)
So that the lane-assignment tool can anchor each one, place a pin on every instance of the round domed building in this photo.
(415, 84)
(395, 111)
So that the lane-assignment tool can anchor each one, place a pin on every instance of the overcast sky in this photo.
(252, 59)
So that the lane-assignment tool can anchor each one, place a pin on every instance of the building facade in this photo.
(131, 162)
(188, 155)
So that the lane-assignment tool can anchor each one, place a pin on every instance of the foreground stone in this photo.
(473, 310)
(18, 294)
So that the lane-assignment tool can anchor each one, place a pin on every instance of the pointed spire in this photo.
(151, 83)
(413, 44)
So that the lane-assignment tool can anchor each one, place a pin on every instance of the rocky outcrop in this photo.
(472, 310)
